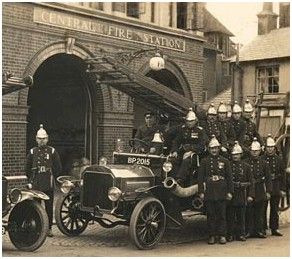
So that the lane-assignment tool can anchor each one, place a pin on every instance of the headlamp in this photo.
(66, 186)
(114, 193)
(15, 195)
(167, 166)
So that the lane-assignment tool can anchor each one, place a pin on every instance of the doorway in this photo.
(60, 100)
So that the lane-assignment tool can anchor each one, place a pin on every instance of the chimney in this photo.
(284, 15)
(267, 19)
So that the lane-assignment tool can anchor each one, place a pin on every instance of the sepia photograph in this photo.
(146, 129)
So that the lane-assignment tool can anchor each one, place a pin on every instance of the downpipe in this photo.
(171, 184)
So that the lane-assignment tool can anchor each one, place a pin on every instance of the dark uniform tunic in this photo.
(228, 131)
(215, 172)
(250, 133)
(278, 176)
(263, 184)
(214, 128)
(243, 187)
(239, 127)
(42, 166)
(146, 134)
(188, 139)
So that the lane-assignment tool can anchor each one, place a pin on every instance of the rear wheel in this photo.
(147, 224)
(70, 220)
(28, 225)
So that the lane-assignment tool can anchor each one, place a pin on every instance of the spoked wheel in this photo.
(70, 220)
(28, 225)
(147, 224)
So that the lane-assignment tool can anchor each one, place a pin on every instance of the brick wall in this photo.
(26, 44)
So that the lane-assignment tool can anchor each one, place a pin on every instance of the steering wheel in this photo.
(139, 146)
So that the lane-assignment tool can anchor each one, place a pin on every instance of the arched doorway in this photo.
(61, 101)
(165, 77)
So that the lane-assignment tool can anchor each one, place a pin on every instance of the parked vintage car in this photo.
(27, 223)
(136, 191)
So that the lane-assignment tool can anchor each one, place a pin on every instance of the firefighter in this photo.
(213, 127)
(239, 125)
(146, 132)
(43, 165)
(243, 193)
(226, 125)
(188, 146)
(215, 175)
(263, 187)
(251, 131)
(278, 176)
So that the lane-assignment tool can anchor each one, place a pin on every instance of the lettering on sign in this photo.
(94, 26)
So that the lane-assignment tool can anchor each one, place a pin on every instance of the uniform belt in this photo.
(241, 184)
(260, 180)
(43, 169)
(215, 178)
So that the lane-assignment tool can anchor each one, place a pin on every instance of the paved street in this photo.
(96, 241)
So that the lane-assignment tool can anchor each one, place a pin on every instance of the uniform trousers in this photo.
(254, 217)
(216, 217)
(274, 213)
(235, 216)
(49, 206)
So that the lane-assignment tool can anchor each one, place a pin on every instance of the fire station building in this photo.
(84, 114)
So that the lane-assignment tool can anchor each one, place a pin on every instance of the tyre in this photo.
(70, 220)
(28, 225)
(147, 223)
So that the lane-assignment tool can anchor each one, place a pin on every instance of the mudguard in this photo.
(33, 194)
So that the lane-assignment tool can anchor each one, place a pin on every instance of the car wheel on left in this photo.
(28, 225)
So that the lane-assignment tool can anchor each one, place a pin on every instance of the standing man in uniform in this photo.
(213, 127)
(243, 193)
(215, 174)
(188, 146)
(42, 168)
(226, 125)
(146, 132)
(263, 188)
(251, 131)
(278, 176)
(239, 125)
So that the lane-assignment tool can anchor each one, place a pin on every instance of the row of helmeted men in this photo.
(236, 191)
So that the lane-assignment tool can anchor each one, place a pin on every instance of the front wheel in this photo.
(70, 220)
(147, 223)
(28, 225)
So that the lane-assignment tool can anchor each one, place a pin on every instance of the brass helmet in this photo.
(222, 108)
(247, 106)
(236, 149)
(214, 142)
(270, 141)
(212, 110)
(236, 108)
(157, 138)
(191, 116)
(255, 145)
(41, 132)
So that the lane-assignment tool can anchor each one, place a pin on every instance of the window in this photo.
(133, 9)
(181, 15)
(152, 12)
(268, 79)
(170, 14)
(92, 5)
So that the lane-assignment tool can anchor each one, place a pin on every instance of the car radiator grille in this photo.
(95, 190)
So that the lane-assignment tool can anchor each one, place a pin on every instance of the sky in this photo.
(239, 18)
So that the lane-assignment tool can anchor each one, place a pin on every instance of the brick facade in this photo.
(26, 45)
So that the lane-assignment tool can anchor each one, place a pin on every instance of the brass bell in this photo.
(157, 138)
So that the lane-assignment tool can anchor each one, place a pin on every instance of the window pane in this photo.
(276, 71)
(270, 71)
(133, 9)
